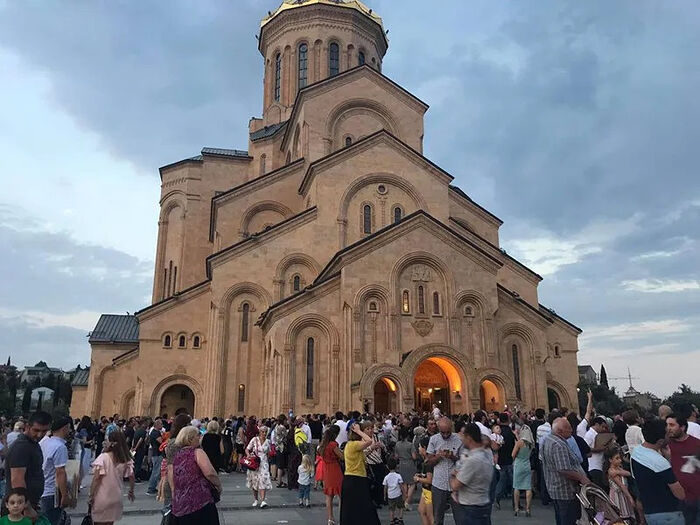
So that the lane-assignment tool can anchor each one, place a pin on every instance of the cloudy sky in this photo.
(577, 123)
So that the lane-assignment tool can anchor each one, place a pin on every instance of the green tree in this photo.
(605, 400)
(683, 395)
(27, 400)
(603, 376)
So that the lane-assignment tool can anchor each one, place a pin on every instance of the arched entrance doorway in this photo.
(385, 396)
(553, 399)
(434, 380)
(177, 399)
(490, 396)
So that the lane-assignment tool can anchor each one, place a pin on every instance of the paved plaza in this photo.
(236, 500)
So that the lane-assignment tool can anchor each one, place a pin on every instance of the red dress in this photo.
(332, 473)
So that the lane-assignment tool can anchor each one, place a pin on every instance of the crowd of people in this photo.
(430, 463)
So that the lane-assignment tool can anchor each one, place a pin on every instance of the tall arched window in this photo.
(348, 141)
(367, 219)
(516, 371)
(361, 58)
(167, 341)
(196, 342)
(405, 302)
(436, 303)
(245, 321)
(397, 214)
(296, 283)
(303, 52)
(334, 59)
(182, 341)
(421, 300)
(278, 76)
(263, 158)
(310, 368)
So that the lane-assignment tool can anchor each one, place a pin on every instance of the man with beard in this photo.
(685, 462)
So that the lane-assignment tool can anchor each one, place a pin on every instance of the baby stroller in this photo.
(598, 507)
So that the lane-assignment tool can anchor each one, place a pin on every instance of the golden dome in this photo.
(350, 4)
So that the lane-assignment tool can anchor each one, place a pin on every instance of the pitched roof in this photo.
(461, 193)
(267, 131)
(113, 328)
(222, 152)
(81, 377)
(555, 314)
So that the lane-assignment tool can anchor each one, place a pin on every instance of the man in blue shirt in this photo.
(55, 480)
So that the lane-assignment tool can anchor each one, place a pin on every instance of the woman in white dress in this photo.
(259, 481)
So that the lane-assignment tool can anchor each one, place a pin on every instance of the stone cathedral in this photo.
(331, 266)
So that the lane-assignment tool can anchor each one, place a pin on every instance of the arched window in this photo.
(196, 341)
(310, 368)
(245, 321)
(405, 302)
(557, 351)
(296, 283)
(278, 76)
(421, 300)
(182, 341)
(436, 303)
(348, 141)
(167, 341)
(468, 311)
(303, 52)
(397, 214)
(334, 59)
(263, 158)
(516, 371)
(367, 219)
(361, 58)
(373, 306)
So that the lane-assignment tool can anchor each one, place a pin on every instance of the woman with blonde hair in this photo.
(195, 482)
(108, 473)
(522, 476)
(259, 480)
(212, 445)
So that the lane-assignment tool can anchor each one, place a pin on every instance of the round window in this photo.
(381, 189)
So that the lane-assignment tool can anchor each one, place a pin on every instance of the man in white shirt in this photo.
(16, 431)
(436, 412)
(595, 462)
(342, 424)
(55, 459)
(582, 427)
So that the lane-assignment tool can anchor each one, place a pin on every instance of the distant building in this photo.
(41, 370)
(633, 398)
(41, 393)
(586, 374)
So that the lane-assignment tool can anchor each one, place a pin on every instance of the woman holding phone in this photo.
(356, 501)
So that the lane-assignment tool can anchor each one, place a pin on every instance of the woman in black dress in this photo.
(212, 445)
(227, 438)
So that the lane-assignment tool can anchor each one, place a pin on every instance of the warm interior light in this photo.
(389, 384)
(450, 371)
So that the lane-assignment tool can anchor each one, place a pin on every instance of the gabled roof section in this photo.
(81, 377)
(115, 329)
(341, 78)
(250, 185)
(336, 261)
(466, 197)
(554, 314)
(541, 316)
(268, 131)
(307, 213)
(378, 136)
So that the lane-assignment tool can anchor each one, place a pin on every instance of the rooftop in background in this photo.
(81, 377)
(350, 4)
(112, 328)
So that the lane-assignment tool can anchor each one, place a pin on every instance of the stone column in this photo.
(335, 375)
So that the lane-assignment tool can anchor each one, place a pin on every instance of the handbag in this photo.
(250, 462)
(273, 451)
(87, 520)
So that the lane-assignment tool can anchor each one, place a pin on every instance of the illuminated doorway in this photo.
(177, 399)
(385, 396)
(490, 396)
(436, 380)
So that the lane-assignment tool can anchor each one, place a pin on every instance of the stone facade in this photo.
(331, 265)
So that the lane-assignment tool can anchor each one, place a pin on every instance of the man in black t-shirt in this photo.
(155, 438)
(24, 461)
(505, 459)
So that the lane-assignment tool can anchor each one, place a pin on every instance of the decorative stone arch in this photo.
(375, 373)
(260, 207)
(521, 332)
(316, 321)
(353, 107)
(503, 382)
(172, 199)
(514, 333)
(475, 297)
(371, 291)
(128, 398)
(293, 258)
(562, 392)
(427, 259)
(173, 380)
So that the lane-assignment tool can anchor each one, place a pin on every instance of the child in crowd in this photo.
(394, 492)
(617, 479)
(16, 503)
(306, 474)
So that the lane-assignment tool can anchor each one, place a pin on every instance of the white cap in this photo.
(485, 431)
